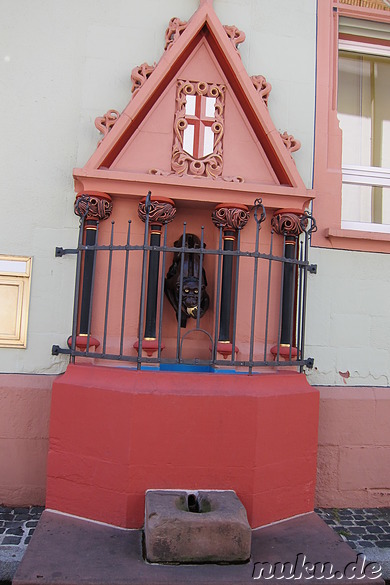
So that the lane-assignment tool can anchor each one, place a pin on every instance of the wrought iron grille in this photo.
(255, 313)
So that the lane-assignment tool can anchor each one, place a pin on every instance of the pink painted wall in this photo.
(24, 426)
(353, 451)
(354, 447)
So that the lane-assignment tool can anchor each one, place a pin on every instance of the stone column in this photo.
(232, 217)
(154, 211)
(93, 206)
(288, 223)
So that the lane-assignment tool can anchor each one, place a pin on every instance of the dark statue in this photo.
(190, 289)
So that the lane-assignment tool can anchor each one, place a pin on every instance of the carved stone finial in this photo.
(288, 222)
(93, 205)
(139, 75)
(105, 123)
(230, 216)
(235, 35)
(173, 32)
(291, 143)
(262, 87)
(162, 210)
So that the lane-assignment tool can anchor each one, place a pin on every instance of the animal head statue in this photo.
(190, 305)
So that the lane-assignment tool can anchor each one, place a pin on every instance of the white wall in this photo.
(348, 318)
(64, 62)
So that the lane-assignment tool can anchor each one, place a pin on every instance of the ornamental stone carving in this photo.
(184, 162)
(291, 143)
(230, 217)
(289, 222)
(105, 123)
(139, 75)
(161, 211)
(235, 35)
(262, 87)
(93, 206)
(173, 32)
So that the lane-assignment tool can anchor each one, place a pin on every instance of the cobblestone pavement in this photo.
(364, 529)
(360, 527)
(17, 525)
(367, 527)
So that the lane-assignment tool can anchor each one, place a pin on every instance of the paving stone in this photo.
(15, 531)
(375, 530)
(23, 510)
(36, 510)
(31, 531)
(369, 537)
(11, 540)
(383, 543)
(27, 539)
(2, 530)
(32, 523)
(6, 516)
(14, 524)
(357, 530)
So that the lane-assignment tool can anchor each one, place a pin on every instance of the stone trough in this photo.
(205, 526)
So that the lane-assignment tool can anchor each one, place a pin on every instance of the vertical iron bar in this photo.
(160, 318)
(294, 272)
(226, 294)
(77, 288)
(268, 296)
(200, 278)
(304, 294)
(233, 356)
(92, 286)
(254, 294)
(178, 353)
(108, 288)
(281, 304)
(143, 287)
(125, 290)
(216, 331)
(152, 290)
(90, 239)
(299, 317)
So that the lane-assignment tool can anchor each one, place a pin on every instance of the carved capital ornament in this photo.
(93, 205)
(231, 217)
(161, 210)
(288, 222)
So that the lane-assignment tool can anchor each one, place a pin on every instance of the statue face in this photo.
(190, 282)
(190, 295)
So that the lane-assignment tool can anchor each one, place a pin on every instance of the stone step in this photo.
(66, 549)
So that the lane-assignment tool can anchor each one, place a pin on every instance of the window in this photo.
(15, 273)
(364, 114)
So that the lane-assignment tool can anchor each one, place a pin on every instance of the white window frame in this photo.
(363, 175)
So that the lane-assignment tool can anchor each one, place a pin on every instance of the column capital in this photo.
(230, 216)
(93, 205)
(289, 222)
(162, 210)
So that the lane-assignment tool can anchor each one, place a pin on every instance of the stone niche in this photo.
(196, 527)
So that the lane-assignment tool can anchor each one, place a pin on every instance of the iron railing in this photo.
(260, 304)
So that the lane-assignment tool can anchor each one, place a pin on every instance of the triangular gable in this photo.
(202, 44)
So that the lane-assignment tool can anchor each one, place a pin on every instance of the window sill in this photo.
(363, 241)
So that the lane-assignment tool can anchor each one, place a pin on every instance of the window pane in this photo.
(354, 107)
(356, 203)
(363, 106)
